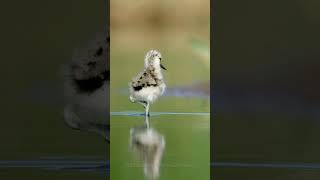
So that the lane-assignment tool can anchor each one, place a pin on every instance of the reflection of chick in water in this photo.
(149, 146)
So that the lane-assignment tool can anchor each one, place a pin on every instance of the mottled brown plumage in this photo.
(86, 87)
(148, 85)
(145, 78)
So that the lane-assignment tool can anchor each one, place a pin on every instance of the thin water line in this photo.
(135, 113)
(104, 165)
(93, 165)
(265, 165)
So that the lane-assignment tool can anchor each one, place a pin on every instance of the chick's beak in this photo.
(162, 67)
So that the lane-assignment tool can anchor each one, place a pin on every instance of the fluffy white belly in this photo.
(98, 100)
(149, 94)
(89, 108)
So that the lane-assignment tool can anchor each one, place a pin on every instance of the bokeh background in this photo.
(266, 89)
(37, 38)
(180, 30)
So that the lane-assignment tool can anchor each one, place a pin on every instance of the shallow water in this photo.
(187, 149)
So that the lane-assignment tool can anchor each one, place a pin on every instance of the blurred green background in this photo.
(37, 38)
(180, 30)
